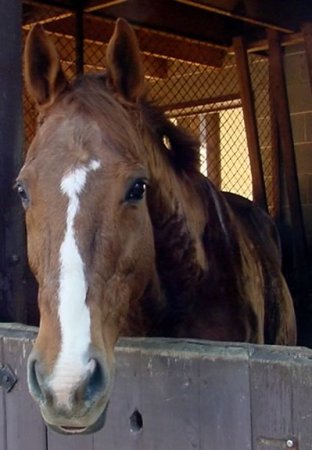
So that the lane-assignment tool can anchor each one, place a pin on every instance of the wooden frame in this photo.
(176, 394)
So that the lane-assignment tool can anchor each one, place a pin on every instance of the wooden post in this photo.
(281, 108)
(79, 38)
(212, 123)
(12, 237)
(307, 36)
(258, 186)
(276, 182)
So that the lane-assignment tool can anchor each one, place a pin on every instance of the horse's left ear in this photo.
(44, 77)
(124, 64)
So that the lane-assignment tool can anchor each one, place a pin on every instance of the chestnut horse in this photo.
(126, 237)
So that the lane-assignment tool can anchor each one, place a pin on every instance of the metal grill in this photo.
(195, 84)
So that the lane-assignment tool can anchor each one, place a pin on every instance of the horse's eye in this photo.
(136, 191)
(21, 190)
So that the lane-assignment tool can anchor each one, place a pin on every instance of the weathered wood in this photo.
(225, 399)
(94, 56)
(24, 426)
(190, 394)
(256, 12)
(307, 36)
(3, 442)
(258, 186)
(79, 38)
(96, 5)
(276, 181)
(281, 108)
(212, 124)
(281, 398)
(150, 42)
(12, 239)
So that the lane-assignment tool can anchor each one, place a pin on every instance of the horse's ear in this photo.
(44, 77)
(124, 64)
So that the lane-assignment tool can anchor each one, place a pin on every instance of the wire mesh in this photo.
(191, 81)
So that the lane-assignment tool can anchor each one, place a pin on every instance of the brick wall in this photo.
(300, 103)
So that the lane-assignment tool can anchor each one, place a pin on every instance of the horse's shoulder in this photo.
(258, 224)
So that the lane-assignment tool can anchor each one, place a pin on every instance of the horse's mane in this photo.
(182, 148)
(94, 94)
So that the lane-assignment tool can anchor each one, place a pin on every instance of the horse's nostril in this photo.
(95, 382)
(35, 380)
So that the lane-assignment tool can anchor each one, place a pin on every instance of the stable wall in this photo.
(176, 394)
(300, 103)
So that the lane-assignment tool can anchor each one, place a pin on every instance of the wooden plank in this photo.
(281, 108)
(12, 236)
(24, 426)
(97, 5)
(263, 13)
(225, 399)
(302, 400)
(125, 400)
(307, 36)
(170, 396)
(279, 381)
(94, 56)
(258, 186)
(276, 181)
(212, 124)
(57, 441)
(150, 42)
(190, 394)
(3, 440)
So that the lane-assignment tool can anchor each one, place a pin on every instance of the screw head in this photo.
(290, 443)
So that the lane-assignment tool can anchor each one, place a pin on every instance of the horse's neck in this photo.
(179, 220)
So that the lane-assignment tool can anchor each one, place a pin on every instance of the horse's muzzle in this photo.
(78, 409)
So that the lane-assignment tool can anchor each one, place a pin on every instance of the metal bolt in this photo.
(14, 258)
(290, 443)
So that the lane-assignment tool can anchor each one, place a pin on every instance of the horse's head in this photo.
(90, 241)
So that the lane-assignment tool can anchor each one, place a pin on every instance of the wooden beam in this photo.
(12, 236)
(97, 5)
(151, 42)
(281, 108)
(79, 38)
(212, 125)
(307, 36)
(38, 12)
(264, 13)
(276, 182)
(94, 56)
(258, 186)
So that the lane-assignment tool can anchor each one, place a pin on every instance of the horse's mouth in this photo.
(96, 426)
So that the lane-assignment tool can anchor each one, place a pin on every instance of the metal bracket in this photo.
(7, 378)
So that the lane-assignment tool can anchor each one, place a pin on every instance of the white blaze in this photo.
(74, 315)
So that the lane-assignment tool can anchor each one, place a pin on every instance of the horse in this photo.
(125, 236)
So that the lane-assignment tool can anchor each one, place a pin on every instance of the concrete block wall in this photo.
(300, 103)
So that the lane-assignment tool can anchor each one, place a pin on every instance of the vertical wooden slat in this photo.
(258, 186)
(12, 240)
(225, 421)
(170, 397)
(24, 426)
(57, 441)
(212, 123)
(276, 164)
(281, 108)
(3, 440)
(271, 405)
(302, 399)
(79, 37)
(125, 400)
(307, 36)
